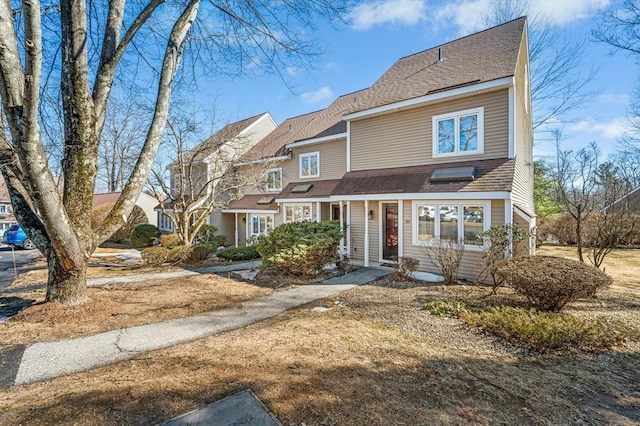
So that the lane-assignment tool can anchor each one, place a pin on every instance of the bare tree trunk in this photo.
(579, 237)
(64, 284)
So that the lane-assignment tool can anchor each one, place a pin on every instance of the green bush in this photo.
(143, 235)
(197, 253)
(170, 240)
(154, 256)
(301, 248)
(207, 234)
(239, 253)
(446, 308)
(550, 331)
(549, 283)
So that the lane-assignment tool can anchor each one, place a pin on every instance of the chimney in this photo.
(439, 56)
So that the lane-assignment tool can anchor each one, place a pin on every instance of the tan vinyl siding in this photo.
(333, 161)
(357, 230)
(325, 209)
(497, 212)
(225, 224)
(523, 173)
(405, 138)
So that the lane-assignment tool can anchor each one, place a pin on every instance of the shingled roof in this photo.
(491, 175)
(481, 57)
(213, 142)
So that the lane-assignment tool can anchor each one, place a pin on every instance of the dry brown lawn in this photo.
(375, 358)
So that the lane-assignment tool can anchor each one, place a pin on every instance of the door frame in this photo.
(381, 236)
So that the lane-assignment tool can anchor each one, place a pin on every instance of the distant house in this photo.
(238, 137)
(6, 210)
(145, 201)
(631, 201)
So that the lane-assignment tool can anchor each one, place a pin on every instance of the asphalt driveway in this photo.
(23, 259)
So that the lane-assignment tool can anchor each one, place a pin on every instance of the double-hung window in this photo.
(297, 213)
(450, 221)
(459, 133)
(261, 224)
(274, 180)
(310, 165)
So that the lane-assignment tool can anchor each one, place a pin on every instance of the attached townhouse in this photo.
(440, 147)
(204, 162)
(6, 209)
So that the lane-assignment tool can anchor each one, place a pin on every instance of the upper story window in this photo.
(3, 208)
(458, 133)
(310, 165)
(274, 180)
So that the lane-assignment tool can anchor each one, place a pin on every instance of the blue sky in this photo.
(382, 31)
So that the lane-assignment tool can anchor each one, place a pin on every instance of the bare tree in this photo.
(122, 139)
(205, 178)
(99, 41)
(557, 86)
(574, 176)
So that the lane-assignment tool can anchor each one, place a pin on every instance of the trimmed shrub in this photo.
(446, 308)
(154, 256)
(170, 240)
(207, 234)
(177, 253)
(143, 235)
(197, 253)
(239, 253)
(549, 283)
(405, 266)
(550, 331)
(301, 248)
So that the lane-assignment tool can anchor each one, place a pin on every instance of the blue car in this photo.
(15, 236)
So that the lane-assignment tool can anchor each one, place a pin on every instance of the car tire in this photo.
(27, 244)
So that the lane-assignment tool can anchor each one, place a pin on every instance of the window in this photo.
(310, 165)
(460, 133)
(3, 208)
(261, 224)
(165, 222)
(274, 180)
(297, 213)
(449, 221)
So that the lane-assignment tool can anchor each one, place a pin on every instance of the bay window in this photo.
(297, 213)
(463, 222)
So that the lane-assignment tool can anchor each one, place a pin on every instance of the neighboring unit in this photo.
(6, 210)
(195, 174)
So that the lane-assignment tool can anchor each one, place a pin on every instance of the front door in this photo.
(390, 231)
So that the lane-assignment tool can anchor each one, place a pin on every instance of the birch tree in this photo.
(101, 44)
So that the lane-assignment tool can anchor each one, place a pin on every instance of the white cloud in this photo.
(468, 15)
(566, 11)
(614, 98)
(613, 129)
(317, 96)
(292, 71)
(406, 12)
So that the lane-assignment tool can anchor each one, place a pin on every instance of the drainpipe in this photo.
(342, 229)
(236, 228)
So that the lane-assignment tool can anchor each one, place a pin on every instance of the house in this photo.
(439, 147)
(145, 202)
(6, 210)
(204, 162)
(630, 201)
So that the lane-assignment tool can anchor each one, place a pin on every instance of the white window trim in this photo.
(266, 185)
(456, 115)
(259, 215)
(301, 205)
(308, 154)
(486, 223)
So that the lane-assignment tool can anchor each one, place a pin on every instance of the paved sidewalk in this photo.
(46, 360)
(95, 282)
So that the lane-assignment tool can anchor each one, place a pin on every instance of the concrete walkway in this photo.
(46, 360)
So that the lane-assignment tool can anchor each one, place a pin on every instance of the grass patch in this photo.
(446, 308)
(549, 331)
